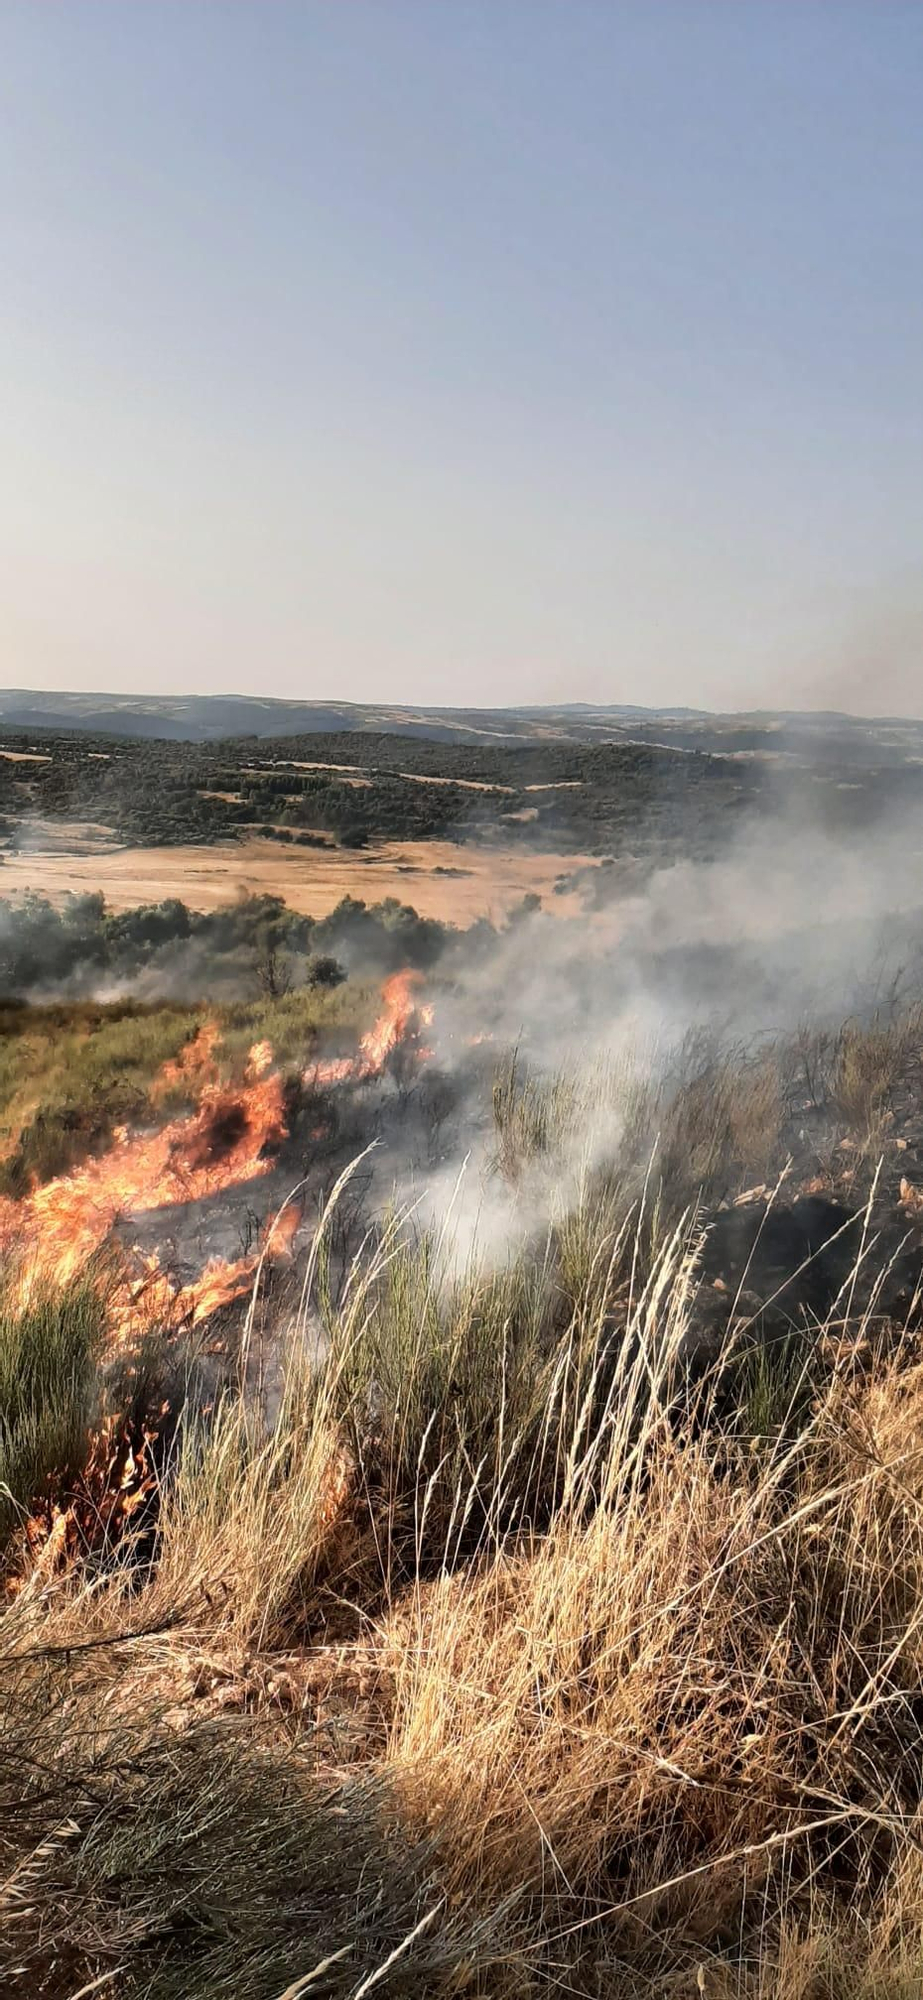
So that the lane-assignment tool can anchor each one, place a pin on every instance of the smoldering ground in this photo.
(791, 930)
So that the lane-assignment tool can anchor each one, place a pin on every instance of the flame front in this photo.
(227, 1141)
(403, 1015)
(195, 1065)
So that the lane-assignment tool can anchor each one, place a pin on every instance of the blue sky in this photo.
(463, 350)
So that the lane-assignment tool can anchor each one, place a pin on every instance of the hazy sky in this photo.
(463, 350)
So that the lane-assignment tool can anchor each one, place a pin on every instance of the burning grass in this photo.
(486, 1630)
(228, 1133)
(70, 1074)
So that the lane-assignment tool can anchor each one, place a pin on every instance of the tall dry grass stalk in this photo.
(697, 1698)
(652, 1684)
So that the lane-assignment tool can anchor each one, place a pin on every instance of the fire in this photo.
(260, 1059)
(226, 1141)
(220, 1283)
(221, 1144)
(117, 1484)
(193, 1067)
(403, 1018)
(401, 1014)
(279, 1232)
(222, 1280)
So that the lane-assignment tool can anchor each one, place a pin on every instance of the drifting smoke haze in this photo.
(756, 932)
(789, 929)
(169, 954)
(788, 924)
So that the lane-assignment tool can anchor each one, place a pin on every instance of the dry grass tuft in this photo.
(481, 1645)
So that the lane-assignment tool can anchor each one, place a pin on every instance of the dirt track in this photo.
(312, 880)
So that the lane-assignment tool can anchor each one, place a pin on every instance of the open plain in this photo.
(453, 882)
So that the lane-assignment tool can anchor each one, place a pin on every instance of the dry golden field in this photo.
(483, 882)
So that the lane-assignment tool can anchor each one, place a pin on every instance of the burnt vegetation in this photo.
(443, 1622)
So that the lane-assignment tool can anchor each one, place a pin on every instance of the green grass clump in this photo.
(442, 1380)
(49, 1349)
(70, 1074)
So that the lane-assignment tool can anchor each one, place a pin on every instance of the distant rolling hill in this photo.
(206, 718)
(209, 718)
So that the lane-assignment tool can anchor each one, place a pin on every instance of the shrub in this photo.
(325, 972)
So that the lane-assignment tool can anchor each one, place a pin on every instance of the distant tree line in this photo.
(254, 944)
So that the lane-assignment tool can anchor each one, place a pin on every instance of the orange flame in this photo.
(219, 1284)
(117, 1479)
(194, 1066)
(223, 1281)
(402, 1012)
(226, 1141)
(403, 1015)
(222, 1143)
